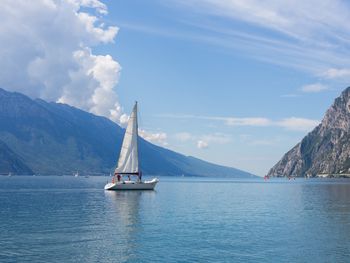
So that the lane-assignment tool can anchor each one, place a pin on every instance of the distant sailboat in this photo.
(76, 174)
(128, 163)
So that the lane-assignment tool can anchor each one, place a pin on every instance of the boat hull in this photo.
(146, 185)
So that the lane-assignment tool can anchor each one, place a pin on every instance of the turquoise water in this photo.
(68, 219)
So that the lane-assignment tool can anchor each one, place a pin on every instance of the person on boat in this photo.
(118, 177)
(129, 177)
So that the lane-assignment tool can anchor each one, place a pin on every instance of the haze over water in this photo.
(67, 219)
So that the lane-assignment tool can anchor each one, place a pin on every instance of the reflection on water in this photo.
(74, 220)
(127, 221)
(324, 219)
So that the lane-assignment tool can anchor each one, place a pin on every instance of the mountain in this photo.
(10, 162)
(324, 150)
(52, 138)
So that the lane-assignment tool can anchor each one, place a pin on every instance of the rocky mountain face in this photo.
(37, 137)
(324, 150)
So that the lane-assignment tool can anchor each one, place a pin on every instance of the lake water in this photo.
(68, 219)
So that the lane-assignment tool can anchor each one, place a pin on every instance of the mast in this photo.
(137, 140)
(128, 162)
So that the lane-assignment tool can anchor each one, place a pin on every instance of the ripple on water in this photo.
(67, 219)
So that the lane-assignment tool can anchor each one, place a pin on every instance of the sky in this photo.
(233, 82)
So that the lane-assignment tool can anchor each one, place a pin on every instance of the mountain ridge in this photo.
(326, 149)
(53, 138)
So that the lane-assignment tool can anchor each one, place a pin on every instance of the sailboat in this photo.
(128, 163)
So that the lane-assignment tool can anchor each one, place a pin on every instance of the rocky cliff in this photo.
(324, 150)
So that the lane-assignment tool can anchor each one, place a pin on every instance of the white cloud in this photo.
(100, 34)
(298, 124)
(300, 19)
(183, 136)
(217, 138)
(124, 119)
(96, 4)
(247, 121)
(334, 73)
(306, 35)
(98, 96)
(202, 144)
(203, 141)
(46, 52)
(314, 88)
(291, 123)
(158, 138)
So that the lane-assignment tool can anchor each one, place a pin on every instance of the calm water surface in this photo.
(68, 219)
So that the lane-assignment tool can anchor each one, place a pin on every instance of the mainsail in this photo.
(128, 162)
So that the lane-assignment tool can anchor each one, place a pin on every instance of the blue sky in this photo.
(232, 82)
(189, 64)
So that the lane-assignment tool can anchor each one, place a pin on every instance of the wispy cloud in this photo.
(334, 73)
(203, 141)
(218, 138)
(290, 123)
(183, 136)
(307, 35)
(245, 121)
(299, 20)
(297, 124)
(314, 88)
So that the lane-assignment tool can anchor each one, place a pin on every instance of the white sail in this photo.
(128, 159)
(128, 162)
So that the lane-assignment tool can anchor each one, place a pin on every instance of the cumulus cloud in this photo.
(46, 50)
(96, 4)
(203, 141)
(158, 138)
(202, 144)
(124, 119)
(216, 138)
(314, 88)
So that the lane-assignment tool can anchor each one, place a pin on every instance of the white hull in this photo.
(131, 185)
